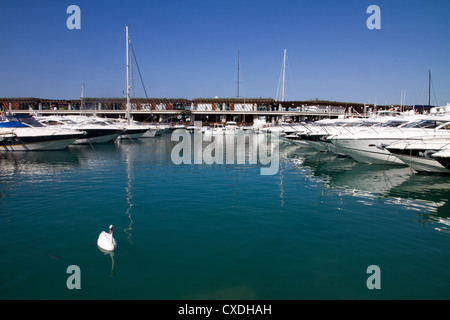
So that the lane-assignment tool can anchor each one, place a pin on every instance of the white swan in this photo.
(106, 241)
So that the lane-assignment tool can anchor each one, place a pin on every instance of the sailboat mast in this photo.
(238, 68)
(429, 86)
(283, 79)
(83, 106)
(128, 77)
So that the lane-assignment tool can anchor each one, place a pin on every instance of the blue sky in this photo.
(188, 49)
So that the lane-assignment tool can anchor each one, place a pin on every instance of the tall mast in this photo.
(283, 79)
(128, 77)
(238, 68)
(83, 106)
(429, 86)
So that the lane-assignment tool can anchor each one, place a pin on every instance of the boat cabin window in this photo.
(51, 122)
(100, 123)
(67, 121)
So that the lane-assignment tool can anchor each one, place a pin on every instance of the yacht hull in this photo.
(366, 151)
(420, 160)
(37, 143)
(133, 133)
(150, 133)
(106, 138)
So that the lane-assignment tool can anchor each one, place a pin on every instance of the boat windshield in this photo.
(68, 121)
(56, 122)
(30, 121)
(426, 124)
(348, 124)
(367, 124)
(391, 124)
(102, 122)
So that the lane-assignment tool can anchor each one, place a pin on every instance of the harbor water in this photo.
(219, 231)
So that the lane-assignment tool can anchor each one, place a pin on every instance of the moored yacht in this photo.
(368, 145)
(24, 133)
(192, 127)
(95, 132)
(132, 129)
(232, 128)
(177, 126)
(218, 129)
(317, 133)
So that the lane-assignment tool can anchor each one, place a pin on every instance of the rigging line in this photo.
(277, 96)
(290, 80)
(424, 91)
(142, 81)
(435, 98)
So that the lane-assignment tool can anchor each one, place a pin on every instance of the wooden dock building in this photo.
(179, 109)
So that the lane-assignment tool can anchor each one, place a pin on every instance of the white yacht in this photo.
(104, 131)
(133, 129)
(192, 127)
(95, 132)
(317, 133)
(177, 126)
(24, 133)
(218, 129)
(232, 128)
(367, 145)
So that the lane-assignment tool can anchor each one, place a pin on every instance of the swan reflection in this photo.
(111, 254)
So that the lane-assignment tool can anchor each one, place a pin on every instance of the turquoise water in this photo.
(219, 231)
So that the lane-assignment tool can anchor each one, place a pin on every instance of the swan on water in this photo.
(106, 241)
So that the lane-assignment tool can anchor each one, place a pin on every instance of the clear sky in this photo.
(188, 49)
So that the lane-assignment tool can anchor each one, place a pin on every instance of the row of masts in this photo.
(281, 83)
(128, 65)
(280, 90)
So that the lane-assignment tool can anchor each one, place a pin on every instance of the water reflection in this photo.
(111, 254)
(128, 147)
(426, 194)
(36, 163)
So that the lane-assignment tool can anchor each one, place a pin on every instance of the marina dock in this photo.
(202, 109)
